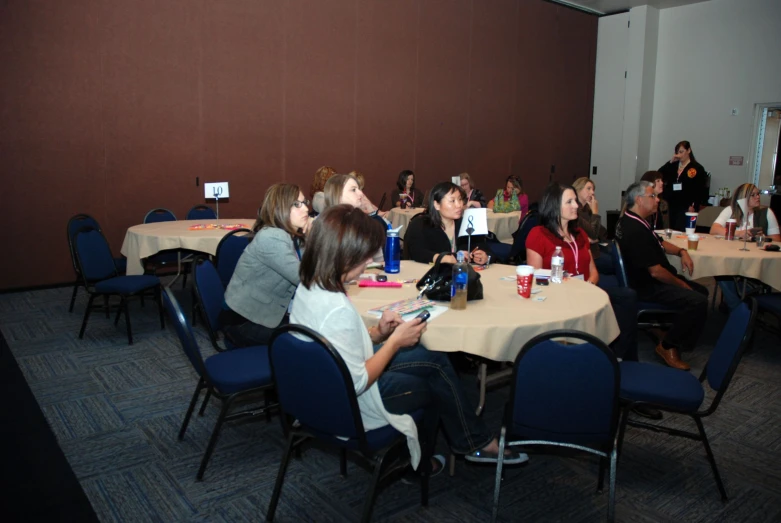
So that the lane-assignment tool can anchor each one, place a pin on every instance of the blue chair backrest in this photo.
(159, 215)
(211, 292)
(618, 265)
(229, 250)
(77, 222)
(565, 393)
(184, 331)
(201, 212)
(313, 383)
(528, 222)
(93, 255)
(729, 347)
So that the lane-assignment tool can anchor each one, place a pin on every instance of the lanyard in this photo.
(297, 248)
(645, 223)
(575, 252)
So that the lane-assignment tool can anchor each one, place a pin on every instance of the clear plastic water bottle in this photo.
(557, 266)
(460, 281)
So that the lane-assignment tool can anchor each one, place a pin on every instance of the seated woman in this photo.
(474, 198)
(266, 275)
(745, 200)
(367, 205)
(316, 191)
(405, 195)
(512, 198)
(590, 221)
(436, 230)
(389, 382)
(559, 228)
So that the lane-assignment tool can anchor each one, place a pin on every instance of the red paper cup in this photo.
(525, 276)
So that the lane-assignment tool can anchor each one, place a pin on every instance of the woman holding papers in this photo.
(437, 230)
(406, 195)
(393, 374)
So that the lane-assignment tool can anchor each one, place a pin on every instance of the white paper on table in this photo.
(542, 273)
(434, 311)
(477, 219)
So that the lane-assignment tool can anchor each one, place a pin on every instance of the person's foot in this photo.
(647, 412)
(511, 457)
(671, 357)
(437, 466)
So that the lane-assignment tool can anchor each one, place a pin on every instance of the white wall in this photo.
(712, 57)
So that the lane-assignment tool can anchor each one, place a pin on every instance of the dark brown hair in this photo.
(686, 145)
(341, 238)
(652, 176)
(436, 194)
(550, 209)
(275, 211)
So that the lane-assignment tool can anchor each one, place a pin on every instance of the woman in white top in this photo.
(747, 196)
(393, 374)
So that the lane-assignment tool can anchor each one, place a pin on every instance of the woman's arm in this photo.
(717, 229)
(593, 274)
(425, 243)
(534, 258)
(275, 250)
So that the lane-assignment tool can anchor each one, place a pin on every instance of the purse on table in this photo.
(436, 283)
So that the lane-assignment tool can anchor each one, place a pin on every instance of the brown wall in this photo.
(114, 107)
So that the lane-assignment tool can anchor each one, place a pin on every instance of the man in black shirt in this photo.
(654, 279)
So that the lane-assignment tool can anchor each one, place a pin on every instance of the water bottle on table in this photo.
(557, 266)
(459, 286)
(392, 251)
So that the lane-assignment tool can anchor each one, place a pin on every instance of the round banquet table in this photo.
(503, 225)
(720, 257)
(142, 241)
(497, 326)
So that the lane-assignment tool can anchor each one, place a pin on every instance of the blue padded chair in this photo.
(645, 309)
(166, 260)
(315, 388)
(74, 224)
(100, 277)
(518, 249)
(201, 212)
(227, 376)
(209, 295)
(680, 392)
(769, 302)
(229, 250)
(564, 395)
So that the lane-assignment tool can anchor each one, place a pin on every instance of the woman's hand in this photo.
(479, 257)
(388, 323)
(307, 226)
(594, 204)
(407, 333)
(473, 204)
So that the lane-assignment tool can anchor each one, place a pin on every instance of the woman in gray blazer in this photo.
(266, 275)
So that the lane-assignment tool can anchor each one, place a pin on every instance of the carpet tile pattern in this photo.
(116, 411)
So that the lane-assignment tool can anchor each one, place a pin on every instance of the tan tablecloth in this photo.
(142, 241)
(501, 224)
(718, 257)
(497, 326)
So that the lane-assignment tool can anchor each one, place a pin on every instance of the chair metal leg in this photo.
(205, 402)
(105, 305)
(452, 464)
(73, 297)
(371, 497)
(272, 506)
(343, 463)
(119, 311)
(611, 503)
(215, 435)
(622, 428)
(191, 408)
(86, 316)
(194, 308)
(127, 321)
(159, 299)
(482, 375)
(601, 481)
(498, 478)
(711, 459)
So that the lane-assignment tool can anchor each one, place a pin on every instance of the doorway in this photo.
(764, 168)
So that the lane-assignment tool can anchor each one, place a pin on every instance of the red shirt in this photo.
(544, 243)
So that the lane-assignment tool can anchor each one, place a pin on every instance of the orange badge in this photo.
(691, 173)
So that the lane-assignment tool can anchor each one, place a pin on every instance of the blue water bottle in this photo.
(392, 251)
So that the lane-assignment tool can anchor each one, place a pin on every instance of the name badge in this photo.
(677, 187)
(578, 277)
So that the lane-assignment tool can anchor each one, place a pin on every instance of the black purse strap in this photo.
(439, 258)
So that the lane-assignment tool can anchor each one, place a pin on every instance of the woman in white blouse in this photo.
(746, 199)
(393, 374)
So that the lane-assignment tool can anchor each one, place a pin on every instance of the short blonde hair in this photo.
(359, 178)
(581, 182)
(465, 176)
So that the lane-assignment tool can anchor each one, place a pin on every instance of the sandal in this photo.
(437, 466)
(511, 457)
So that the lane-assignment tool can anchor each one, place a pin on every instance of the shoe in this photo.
(510, 458)
(671, 358)
(411, 476)
(647, 412)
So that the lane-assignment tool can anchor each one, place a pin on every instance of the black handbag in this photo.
(436, 283)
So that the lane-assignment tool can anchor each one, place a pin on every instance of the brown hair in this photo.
(686, 145)
(359, 178)
(334, 188)
(321, 176)
(516, 183)
(743, 191)
(275, 211)
(341, 238)
(652, 176)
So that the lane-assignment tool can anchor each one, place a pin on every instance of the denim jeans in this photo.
(692, 304)
(416, 378)
(249, 334)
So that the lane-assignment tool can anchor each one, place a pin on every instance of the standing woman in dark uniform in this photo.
(685, 184)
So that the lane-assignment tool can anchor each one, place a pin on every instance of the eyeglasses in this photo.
(298, 204)
(656, 196)
(755, 195)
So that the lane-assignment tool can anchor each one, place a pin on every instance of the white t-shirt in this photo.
(772, 222)
(333, 316)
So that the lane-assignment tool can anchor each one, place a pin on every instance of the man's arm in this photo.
(663, 275)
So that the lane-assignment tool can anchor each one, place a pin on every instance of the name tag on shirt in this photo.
(677, 187)
(578, 277)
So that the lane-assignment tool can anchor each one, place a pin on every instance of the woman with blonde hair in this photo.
(474, 198)
(266, 275)
(745, 200)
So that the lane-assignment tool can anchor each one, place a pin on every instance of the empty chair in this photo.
(159, 215)
(315, 389)
(677, 391)
(201, 212)
(100, 277)
(74, 224)
(163, 262)
(209, 295)
(229, 251)
(228, 376)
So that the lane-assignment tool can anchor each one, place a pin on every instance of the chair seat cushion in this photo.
(126, 284)
(239, 369)
(376, 439)
(663, 386)
(770, 302)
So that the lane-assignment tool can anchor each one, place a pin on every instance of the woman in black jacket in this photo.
(685, 184)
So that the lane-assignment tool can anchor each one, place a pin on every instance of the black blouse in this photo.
(424, 240)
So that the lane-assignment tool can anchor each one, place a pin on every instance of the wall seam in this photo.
(469, 82)
(417, 92)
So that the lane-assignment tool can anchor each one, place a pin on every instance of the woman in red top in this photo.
(559, 228)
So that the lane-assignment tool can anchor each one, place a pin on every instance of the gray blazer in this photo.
(265, 278)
